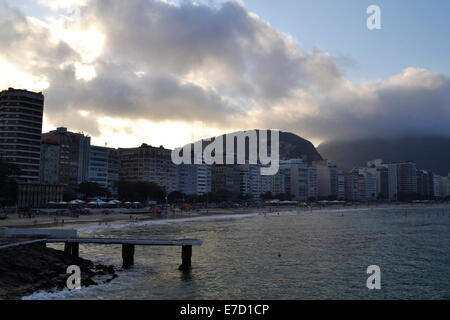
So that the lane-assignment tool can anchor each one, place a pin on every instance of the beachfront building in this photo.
(296, 172)
(21, 113)
(73, 156)
(49, 163)
(278, 183)
(331, 180)
(351, 186)
(425, 184)
(313, 191)
(194, 179)
(406, 179)
(37, 195)
(150, 164)
(381, 173)
(104, 166)
(225, 178)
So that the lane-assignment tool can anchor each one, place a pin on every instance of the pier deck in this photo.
(71, 246)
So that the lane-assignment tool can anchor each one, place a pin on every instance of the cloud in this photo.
(160, 62)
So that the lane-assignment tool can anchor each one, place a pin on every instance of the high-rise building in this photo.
(194, 179)
(313, 191)
(351, 186)
(425, 184)
(406, 179)
(73, 155)
(49, 163)
(21, 113)
(225, 178)
(149, 164)
(104, 164)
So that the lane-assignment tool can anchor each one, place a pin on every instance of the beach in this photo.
(121, 216)
(35, 268)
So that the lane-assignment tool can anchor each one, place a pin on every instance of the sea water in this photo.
(319, 255)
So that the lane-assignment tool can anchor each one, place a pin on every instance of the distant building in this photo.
(331, 180)
(425, 184)
(313, 188)
(351, 186)
(37, 195)
(104, 165)
(21, 113)
(49, 163)
(406, 179)
(149, 164)
(324, 177)
(278, 183)
(225, 178)
(73, 155)
(194, 179)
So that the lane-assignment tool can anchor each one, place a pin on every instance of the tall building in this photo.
(381, 173)
(194, 179)
(21, 113)
(351, 186)
(225, 178)
(425, 184)
(150, 164)
(296, 172)
(323, 178)
(49, 163)
(331, 180)
(406, 179)
(313, 191)
(104, 164)
(73, 155)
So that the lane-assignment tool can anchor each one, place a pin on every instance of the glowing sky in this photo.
(171, 72)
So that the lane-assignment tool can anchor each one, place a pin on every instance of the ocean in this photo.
(295, 256)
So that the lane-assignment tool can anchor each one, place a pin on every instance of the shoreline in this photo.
(34, 268)
(137, 217)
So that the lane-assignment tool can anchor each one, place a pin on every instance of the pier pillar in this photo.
(128, 255)
(72, 248)
(75, 249)
(67, 247)
(186, 254)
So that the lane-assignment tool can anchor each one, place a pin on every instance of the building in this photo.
(149, 164)
(104, 165)
(351, 186)
(381, 173)
(425, 184)
(323, 178)
(331, 180)
(37, 195)
(194, 179)
(49, 163)
(278, 183)
(225, 178)
(21, 113)
(313, 188)
(406, 180)
(73, 156)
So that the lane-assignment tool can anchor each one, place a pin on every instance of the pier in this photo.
(71, 246)
(72, 243)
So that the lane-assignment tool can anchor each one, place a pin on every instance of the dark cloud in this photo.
(221, 65)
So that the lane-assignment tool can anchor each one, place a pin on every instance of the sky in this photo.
(172, 72)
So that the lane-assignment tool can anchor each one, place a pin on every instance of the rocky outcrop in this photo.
(28, 269)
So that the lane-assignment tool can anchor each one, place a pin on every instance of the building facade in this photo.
(149, 164)
(73, 155)
(21, 113)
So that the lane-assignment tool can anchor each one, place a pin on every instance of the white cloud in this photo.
(138, 64)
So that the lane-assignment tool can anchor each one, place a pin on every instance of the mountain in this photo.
(291, 147)
(432, 152)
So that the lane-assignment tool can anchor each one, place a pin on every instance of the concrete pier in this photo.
(72, 247)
